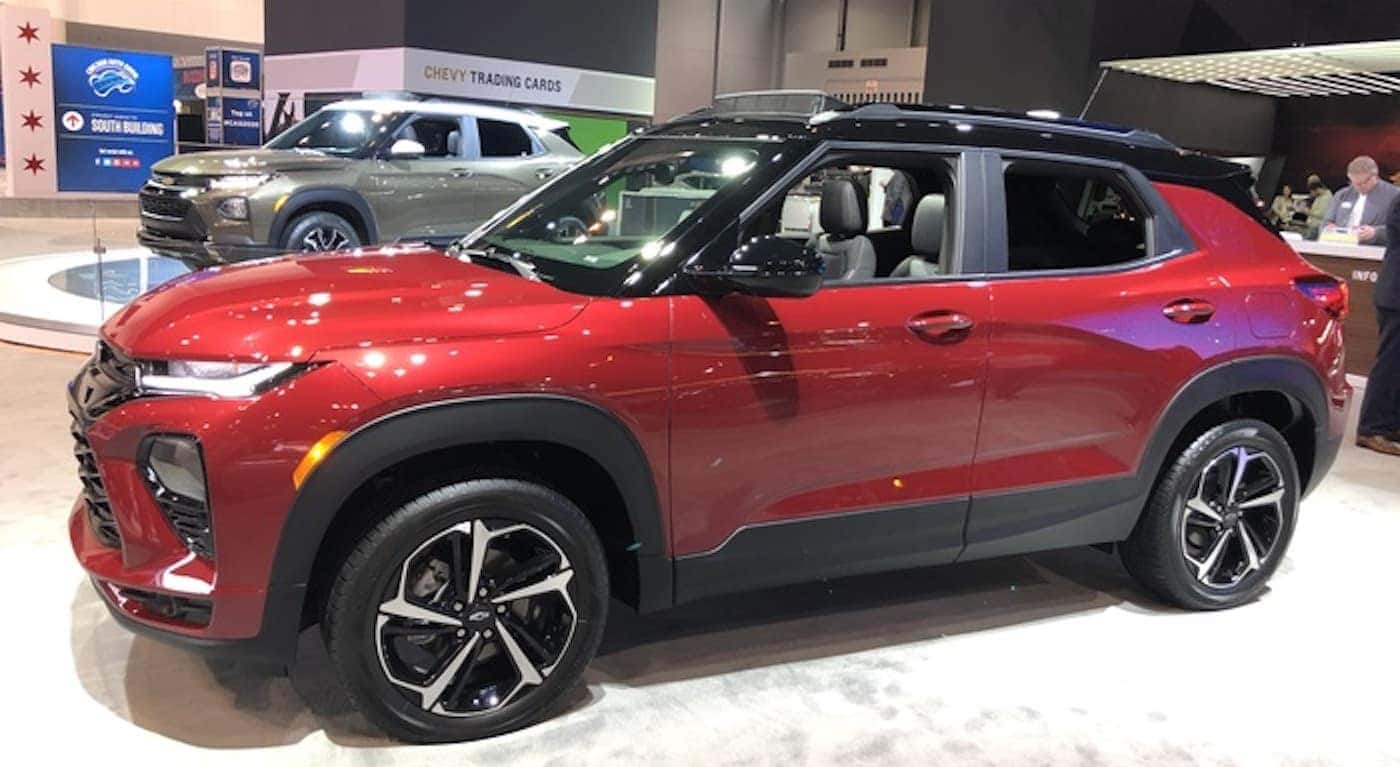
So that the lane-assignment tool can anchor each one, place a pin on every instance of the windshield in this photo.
(586, 230)
(337, 131)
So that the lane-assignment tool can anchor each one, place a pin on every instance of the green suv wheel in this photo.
(320, 231)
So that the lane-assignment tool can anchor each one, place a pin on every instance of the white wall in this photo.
(878, 24)
(238, 20)
(745, 59)
(810, 25)
(685, 55)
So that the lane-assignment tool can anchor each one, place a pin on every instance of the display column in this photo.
(26, 37)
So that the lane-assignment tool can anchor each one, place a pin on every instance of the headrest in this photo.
(927, 235)
(454, 143)
(843, 208)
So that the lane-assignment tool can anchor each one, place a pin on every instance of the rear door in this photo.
(504, 162)
(1102, 309)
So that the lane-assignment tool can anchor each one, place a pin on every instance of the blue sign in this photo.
(242, 121)
(115, 114)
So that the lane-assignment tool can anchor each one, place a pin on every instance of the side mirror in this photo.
(406, 149)
(767, 266)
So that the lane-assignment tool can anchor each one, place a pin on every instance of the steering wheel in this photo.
(568, 228)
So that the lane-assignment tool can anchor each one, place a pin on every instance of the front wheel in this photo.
(1219, 521)
(319, 231)
(468, 611)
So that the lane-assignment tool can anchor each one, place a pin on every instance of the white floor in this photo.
(1052, 659)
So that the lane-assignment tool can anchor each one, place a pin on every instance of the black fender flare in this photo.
(1288, 375)
(305, 198)
(401, 435)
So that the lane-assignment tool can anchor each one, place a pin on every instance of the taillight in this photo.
(1327, 292)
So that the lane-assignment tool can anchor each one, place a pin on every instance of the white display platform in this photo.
(58, 300)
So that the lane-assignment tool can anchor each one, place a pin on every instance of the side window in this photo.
(503, 139)
(1065, 217)
(878, 220)
(440, 136)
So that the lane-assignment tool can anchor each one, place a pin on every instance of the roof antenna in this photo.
(1103, 72)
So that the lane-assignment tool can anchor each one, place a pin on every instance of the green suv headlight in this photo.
(240, 183)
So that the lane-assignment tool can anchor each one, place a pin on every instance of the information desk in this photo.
(1360, 266)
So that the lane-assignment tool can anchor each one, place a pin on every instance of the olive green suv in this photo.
(354, 173)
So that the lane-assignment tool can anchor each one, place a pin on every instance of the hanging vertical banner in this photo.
(233, 97)
(116, 117)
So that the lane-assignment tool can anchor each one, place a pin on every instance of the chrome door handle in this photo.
(544, 173)
(461, 172)
(1189, 311)
(941, 326)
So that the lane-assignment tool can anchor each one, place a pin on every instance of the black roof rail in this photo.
(990, 117)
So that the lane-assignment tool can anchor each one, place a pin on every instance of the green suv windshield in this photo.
(342, 132)
(586, 229)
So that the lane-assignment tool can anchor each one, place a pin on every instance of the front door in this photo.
(428, 197)
(832, 434)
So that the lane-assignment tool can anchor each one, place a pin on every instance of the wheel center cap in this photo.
(479, 615)
(1232, 518)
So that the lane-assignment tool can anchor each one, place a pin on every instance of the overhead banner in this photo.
(458, 75)
(116, 117)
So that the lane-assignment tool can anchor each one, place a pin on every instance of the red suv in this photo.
(736, 351)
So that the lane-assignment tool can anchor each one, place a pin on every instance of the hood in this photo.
(247, 162)
(289, 308)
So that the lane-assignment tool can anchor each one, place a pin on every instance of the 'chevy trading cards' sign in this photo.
(115, 117)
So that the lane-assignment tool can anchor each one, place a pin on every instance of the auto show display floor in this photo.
(1051, 659)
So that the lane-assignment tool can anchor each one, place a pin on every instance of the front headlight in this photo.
(239, 183)
(216, 379)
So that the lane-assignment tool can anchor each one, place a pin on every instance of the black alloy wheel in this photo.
(1219, 520)
(468, 610)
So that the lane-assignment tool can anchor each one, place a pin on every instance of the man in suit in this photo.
(1379, 428)
(1363, 206)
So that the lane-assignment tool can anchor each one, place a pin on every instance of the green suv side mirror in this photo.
(767, 266)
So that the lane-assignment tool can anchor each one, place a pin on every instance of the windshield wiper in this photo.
(496, 255)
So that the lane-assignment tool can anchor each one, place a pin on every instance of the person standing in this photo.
(1282, 209)
(1319, 202)
(1364, 206)
(1379, 427)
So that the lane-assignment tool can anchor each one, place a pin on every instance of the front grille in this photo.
(160, 205)
(106, 381)
(166, 208)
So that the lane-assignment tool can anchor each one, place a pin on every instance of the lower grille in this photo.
(188, 516)
(157, 205)
(106, 381)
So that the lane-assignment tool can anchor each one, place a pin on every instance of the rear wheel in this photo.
(468, 611)
(320, 231)
(1220, 519)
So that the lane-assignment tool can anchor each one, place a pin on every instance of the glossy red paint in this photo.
(289, 308)
(748, 410)
(791, 408)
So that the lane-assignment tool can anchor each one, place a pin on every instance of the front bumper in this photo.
(202, 253)
(146, 574)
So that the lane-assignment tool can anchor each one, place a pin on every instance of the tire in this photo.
(319, 231)
(470, 662)
(1170, 549)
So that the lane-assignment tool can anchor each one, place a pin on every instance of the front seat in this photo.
(843, 246)
(930, 237)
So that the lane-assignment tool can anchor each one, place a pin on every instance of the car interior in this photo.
(1064, 219)
(871, 222)
(440, 137)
